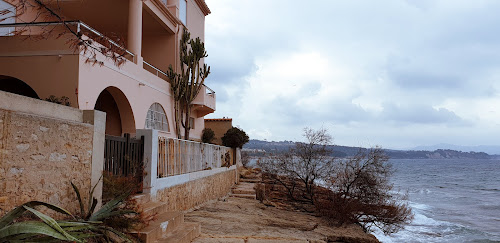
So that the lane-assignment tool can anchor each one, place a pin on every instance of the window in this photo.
(191, 122)
(183, 11)
(5, 31)
(156, 118)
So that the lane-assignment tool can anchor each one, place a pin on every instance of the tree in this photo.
(348, 190)
(208, 135)
(361, 193)
(306, 162)
(187, 84)
(235, 138)
(81, 40)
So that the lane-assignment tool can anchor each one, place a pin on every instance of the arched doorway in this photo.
(16, 86)
(119, 115)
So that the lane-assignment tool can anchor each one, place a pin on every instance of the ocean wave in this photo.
(490, 207)
(423, 191)
(419, 206)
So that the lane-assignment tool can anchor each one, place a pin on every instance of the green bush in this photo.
(235, 138)
(208, 135)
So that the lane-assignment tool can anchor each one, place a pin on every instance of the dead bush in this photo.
(360, 192)
(353, 190)
(305, 164)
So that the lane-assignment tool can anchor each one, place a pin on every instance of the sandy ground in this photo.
(239, 220)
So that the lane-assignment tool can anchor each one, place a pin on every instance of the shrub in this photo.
(208, 135)
(355, 190)
(245, 158)
(101, 226)
(235, 138)
(305, 163)
(360, 193)
(62, 101)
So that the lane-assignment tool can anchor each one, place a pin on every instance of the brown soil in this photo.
(240, 220)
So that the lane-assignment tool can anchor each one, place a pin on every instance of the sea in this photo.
(453, 200)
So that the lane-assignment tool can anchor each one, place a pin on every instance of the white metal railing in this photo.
(176, 157)
(79, 25)
(209, 91)
(159, 73)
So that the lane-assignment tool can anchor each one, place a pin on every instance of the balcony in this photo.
(204, 103)
(78, 27)
(18, 45)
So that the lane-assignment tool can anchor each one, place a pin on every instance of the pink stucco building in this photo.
(135, 95)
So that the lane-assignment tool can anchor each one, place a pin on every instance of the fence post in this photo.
(150, 159)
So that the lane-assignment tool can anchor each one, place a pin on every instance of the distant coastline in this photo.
(264, 148)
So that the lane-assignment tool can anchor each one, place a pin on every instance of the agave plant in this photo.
(87, 225)
(112, 211)
(12, 231)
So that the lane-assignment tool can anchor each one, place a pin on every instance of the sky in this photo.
(393, 73)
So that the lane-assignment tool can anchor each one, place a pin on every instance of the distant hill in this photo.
(489, 149)
(261, 148)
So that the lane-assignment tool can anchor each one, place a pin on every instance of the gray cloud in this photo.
(422, 114)
(401, 60)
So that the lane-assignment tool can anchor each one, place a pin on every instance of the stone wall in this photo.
(40, 154)
(196, 192)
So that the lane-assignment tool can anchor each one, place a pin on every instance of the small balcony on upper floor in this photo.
(204, 103)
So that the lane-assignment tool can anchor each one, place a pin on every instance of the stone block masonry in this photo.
(193, 193)
(40, 155)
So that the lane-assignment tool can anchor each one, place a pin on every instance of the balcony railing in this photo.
(163, 75)
(79, 26)
(177, 157)
(154, 70)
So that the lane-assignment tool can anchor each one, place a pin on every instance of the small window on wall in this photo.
(191, 122)
(183, 11)
(9, 18)
(156, 118)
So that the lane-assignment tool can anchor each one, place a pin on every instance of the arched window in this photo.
(156, 118)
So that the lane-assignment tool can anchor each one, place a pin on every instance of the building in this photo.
(134, 95)
(220, 127)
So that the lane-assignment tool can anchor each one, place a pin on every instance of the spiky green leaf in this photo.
(52, 223)
(30, 228)
(18, 211)
(80, 201)
(108, 207)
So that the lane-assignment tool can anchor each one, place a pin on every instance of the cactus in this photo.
(187, 84)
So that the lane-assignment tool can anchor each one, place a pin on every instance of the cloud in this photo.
(419, 114)
(361, 68)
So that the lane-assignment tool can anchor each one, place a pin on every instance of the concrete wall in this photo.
(45, 146)
(220, 127)
(48, 66)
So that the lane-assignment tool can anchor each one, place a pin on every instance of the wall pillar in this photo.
(135, 29)
(150, 160)
(98, 119)
(238, 163)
